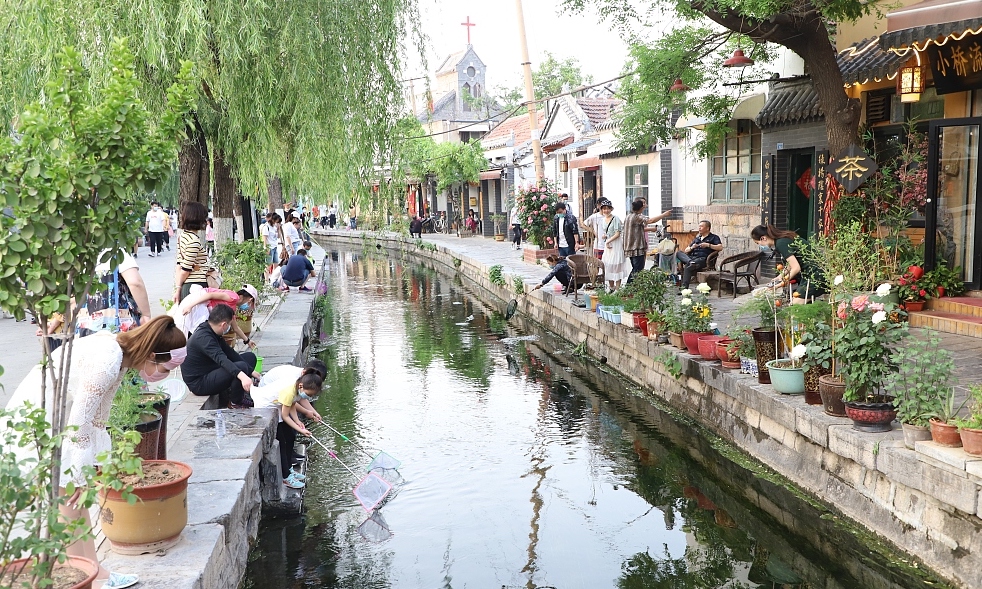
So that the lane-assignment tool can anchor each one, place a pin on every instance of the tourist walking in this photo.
(172, 230)
(292, 232)
(613, 256)
(516, 228)
(156, 226)
(636, 229)
(565, 231)
(271, 239)
(210, 237)
(809, 280)
(695, 256)
(212, 367)
(192, 254)
(353, 217)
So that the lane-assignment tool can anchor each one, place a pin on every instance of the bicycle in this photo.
(441, 225)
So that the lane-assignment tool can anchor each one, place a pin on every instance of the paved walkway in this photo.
(967, 351)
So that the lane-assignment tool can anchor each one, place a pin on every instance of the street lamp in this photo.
(910, 83)
(679, 86)
(738, 59)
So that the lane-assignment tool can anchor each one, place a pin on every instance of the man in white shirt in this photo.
(156, 227)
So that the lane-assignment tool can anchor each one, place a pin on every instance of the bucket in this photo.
(174, 387)
(259, 364)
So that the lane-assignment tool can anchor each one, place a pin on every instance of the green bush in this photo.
(242, 263)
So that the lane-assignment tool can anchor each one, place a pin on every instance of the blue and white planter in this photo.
(748, 366)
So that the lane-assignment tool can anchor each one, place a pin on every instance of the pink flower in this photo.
(841, 311)
(859, 303)
(876, 307)
(543, 197)
(548, 240)
(544, 207)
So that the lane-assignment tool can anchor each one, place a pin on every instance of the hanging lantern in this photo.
(679, 86)
(563, 166)
(910, 83)
(738, 60)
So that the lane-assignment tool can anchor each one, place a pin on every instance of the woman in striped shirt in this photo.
(192, 255)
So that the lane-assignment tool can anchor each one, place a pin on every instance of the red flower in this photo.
(916, 272)
(902, 281)
(923, 293)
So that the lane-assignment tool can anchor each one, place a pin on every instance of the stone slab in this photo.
(955, 457)
(199, 544)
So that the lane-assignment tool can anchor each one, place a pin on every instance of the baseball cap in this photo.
(251, 290)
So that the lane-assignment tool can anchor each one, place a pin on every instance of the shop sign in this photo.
(821, 185)
(853, 167)
(957, 65)
(767, 189)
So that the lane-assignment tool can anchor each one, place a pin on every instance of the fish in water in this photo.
(469, 318)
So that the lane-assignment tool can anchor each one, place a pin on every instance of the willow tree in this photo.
(300, 90)
(707, 33)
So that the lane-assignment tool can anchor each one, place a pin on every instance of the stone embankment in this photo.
(926, 503)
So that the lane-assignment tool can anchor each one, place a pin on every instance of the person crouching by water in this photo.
(810, 283)
(560, 271)
(294, 400)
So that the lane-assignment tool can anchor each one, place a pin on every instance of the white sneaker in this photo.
(119, 581)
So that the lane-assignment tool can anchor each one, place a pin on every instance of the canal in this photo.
(526, 465)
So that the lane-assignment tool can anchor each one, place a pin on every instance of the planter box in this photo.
(534, 253)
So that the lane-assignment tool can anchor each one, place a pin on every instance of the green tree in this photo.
(299, 92)
(552, 76)
(707, 33)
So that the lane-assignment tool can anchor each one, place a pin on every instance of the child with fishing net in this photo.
(294, 400)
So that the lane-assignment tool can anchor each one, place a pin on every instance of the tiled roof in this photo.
(792, 101)
(598, 110)
(450, 62)
(518, 123)
(866, 61)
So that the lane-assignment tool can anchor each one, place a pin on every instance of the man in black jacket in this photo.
(214, 368)
(565, 231)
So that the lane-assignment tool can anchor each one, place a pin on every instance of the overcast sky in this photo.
(601, 52)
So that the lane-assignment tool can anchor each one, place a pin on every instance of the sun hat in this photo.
(605, 202)
(251, 290)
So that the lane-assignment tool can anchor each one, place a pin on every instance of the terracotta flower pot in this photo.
(945, 434)
(691, 339)
(766, 349)
(875, 417)
(676, 340)
(729, 358)
(155, 521)
(914, 306)
(87, 566)
(831, 390)
(941, 291)
(707, 346)
(971, 440)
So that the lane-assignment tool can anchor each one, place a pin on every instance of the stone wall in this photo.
(925, 505)
(731, 222)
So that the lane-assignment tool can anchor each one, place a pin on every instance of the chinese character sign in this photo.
(957, 65)
(767, 189)
(853, 167)
(821, 194)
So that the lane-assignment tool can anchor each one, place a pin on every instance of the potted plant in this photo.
(945, 281)
(610, 307)
(707, 346)
(85, 153)
(656, 324)
(944, 431)
(130, 412)
(761, 308)
(863, 345)
(498, 219)
(970, 428)
(919, 385)
(734, 351)
(912, 289)
(647, 288)
(696, 314)
(818, 359)
(627, 311)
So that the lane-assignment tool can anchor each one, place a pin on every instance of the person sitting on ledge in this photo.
(212, 367)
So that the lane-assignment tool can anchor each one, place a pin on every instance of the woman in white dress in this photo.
(98, 363)
(613, 257)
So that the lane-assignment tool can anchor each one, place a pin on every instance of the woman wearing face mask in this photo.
(809, 281)
(613, 256)
(293, 401)
(97, 366)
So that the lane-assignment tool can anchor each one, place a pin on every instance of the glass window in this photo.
(635, 184)
(736, 168)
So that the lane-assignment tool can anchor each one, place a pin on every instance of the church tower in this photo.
(459, 99)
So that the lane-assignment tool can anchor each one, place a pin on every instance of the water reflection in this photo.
(526, 467)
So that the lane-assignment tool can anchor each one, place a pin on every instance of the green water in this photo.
(526, 466)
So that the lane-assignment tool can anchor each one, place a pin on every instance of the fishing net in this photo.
(383, 461)
(371, 490)
(375, 528)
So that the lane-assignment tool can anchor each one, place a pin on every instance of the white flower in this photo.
(686, 301)
(883, 290)
(798, 352)
(703, 288)
(686, 292)
(879, 317)
(838, 280)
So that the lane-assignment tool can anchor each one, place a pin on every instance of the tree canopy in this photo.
(708, 32)
(550, 77)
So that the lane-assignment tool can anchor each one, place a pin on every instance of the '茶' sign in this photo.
(957, 65)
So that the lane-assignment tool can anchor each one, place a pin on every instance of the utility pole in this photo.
(530, 95)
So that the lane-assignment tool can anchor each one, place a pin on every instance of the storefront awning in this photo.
(746, 108)
(491, 175)
(584, 162)
(576, 147)
(920, 24)
(867, 61)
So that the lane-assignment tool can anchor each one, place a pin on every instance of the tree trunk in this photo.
(193, 167)
(275, 194)
(237, 214)
(225, 197)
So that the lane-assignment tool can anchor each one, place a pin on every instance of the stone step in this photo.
(971, 306)
(947, 322)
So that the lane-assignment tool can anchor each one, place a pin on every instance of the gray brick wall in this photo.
(666, 180)
(794, 137)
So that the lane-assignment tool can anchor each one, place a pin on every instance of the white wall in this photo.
(690, 177)
(614, 185)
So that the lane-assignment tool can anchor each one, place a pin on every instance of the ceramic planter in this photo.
(786, 379)
(914, 306)
(812, 396)
(676, 340)
(155, 521)
(707, 346)
(941, 291)
(766, 348)
(641, 322)
(729, 358)
(915, 433)
(149, 428)
(831, 389)
(691, 339)
(160, 402)
(89, 567)
(627, 318)
(615, 315)
(971, 440)
(945, 434)
(592, 302)
(875, 417)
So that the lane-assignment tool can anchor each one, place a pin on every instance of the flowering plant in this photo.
(536, 209)
(913, 286)
(695, 313)
(863, 342)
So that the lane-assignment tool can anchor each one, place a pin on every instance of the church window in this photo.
(471, 71)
